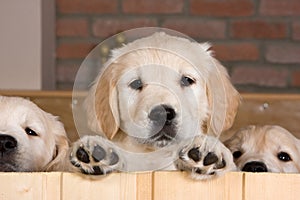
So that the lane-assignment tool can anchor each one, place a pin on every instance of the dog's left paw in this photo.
(205, 158)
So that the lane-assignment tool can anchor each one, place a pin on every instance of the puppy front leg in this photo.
(95, 155)
(205, 158)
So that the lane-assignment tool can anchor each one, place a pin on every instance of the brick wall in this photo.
(257, 40)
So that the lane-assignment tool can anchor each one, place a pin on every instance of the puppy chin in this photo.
(162, 142)
(157, 141)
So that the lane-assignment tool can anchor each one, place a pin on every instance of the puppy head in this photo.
(265, 149)
(30, 139)
(159, 89)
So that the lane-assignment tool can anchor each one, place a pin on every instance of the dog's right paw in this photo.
(205, 158)
(95, 155)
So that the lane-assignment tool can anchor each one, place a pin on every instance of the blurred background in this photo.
(43, 42)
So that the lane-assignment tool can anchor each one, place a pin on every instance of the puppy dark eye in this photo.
(283, 156)
(136, 84)
(237, 154)
(30, 132)
(186, 81)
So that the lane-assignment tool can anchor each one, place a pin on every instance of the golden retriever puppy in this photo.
(265, 149)
(153, 93)
(30, 139)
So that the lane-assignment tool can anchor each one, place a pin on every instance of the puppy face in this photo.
(30, 139)
(265, 149)
(157, 99)
(161, 89)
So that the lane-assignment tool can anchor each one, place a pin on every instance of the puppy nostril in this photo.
(162, 114)
(7, 143)
(255, 167)
(194, 154)
(170, 113)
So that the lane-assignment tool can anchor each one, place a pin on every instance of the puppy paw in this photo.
(205, 158)
(95, 155)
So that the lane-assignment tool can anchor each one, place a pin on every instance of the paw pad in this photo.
(82, 155)
(98, 153)
(194, 154)
(210, 158)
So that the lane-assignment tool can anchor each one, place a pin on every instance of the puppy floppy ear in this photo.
(223, 100)
(59, 162)
(102, 105)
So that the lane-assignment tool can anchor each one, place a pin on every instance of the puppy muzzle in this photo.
(255, 166)
(163, 121)
(8, 144)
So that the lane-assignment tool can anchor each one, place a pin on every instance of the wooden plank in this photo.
(269, 96)
(144, 186)
(37, 93)
(272, 186)
(51, 185)
(272, 111)
(115, 186)
(28, 186)
(178, 186)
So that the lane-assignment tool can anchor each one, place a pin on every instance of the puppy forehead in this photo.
(149, 62)
(280, 136)
(267, 138)
(19, 111)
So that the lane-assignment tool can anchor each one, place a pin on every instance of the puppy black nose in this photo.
(255, 167)
(162, 114)
(7, 143)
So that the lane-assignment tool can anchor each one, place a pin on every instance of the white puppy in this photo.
(153, 93)
(265, 149)
(30, 139)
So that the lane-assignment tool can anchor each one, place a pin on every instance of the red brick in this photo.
(296, 31)
(296, 78)
(109, 27)
(279, 7)
(73, 50)
(209, 29)
(72, 27)
(87, 6)
(283, 53)
(66, 72)
(236, 52)
(152, 6)
(222, 7)
(260, 76)
(258, 29)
